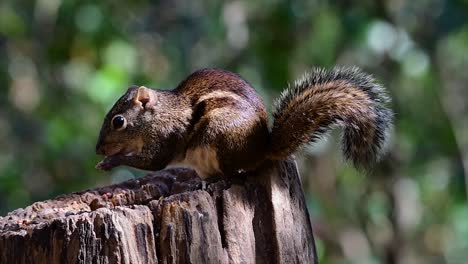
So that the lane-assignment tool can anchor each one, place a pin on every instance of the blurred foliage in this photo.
(63, 64)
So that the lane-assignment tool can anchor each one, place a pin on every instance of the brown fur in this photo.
(325, 99)
(233, 121)
(218, 116)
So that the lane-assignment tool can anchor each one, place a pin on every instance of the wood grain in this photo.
(168, 217)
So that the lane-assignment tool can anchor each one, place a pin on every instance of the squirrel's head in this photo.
(143, 129)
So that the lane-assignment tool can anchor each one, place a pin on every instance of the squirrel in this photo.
(215, 122)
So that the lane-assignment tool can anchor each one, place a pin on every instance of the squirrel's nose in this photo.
(100, 146)
(99, 150)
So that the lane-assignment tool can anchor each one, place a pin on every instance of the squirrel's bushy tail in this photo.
(321, 100)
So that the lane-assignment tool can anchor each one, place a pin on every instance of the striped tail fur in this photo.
(324, 99)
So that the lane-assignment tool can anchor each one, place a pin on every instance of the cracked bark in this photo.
(166, 217)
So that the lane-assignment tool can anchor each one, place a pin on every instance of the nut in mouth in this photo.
(115, 158)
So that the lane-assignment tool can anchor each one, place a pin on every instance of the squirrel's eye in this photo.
(119, 122)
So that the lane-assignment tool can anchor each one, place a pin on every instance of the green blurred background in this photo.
(63, 63)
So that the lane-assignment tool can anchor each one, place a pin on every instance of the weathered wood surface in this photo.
(167, 217)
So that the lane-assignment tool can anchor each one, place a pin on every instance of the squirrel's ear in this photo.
(144, 97)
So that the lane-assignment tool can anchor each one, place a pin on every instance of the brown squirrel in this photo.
(216, 123)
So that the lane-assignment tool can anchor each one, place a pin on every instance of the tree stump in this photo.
(168, 217)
